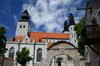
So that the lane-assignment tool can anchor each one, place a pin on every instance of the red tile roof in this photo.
(16, 38)
(48, 35)
(41, 35)
(50, 43)
(9, 58)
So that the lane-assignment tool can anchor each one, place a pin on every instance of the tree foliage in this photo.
(78, 28)
(3, 40)
(23, 56)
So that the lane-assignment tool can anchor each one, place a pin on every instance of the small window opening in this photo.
(53, 40)
(13, 39)
(24, 26)
(75, 40)
(26, 39)
(69, 58)
(39, 40)
(91, 11)
(20, 26)
(71, 28)
(50, 40)
(74, 35)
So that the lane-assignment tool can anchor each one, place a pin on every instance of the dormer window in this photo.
(39, 40)
(20, 26)
(23, 26)
(13, 39)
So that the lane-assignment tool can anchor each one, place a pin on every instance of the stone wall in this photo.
(61, 49)
(91, 58)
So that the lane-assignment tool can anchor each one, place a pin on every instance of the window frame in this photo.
(20, 26)
(23, 26)
(39, 55)
(11, 52)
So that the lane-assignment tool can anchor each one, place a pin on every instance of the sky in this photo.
(45, 15)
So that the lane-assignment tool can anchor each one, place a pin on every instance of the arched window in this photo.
(39, 55)
(72, 35)
(11, 52)
(20, 26)
(69, 58)
(23, 26)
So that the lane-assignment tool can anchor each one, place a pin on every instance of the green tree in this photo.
(23, 56)
(3, 40)
(78, 28)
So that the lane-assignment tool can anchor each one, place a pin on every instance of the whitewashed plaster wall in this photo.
(15, 45)
(44, 50)
(73, 35)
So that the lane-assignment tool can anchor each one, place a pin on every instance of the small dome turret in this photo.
(25, 15)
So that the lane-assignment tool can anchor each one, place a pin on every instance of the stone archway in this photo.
(61, 48)
(62, 60)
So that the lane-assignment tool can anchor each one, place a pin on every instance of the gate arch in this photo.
(61, 48)
(64, 58)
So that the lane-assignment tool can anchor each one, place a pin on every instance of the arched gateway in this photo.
(61, 48)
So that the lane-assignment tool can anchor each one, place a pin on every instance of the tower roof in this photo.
(71, 19)
(25, 15)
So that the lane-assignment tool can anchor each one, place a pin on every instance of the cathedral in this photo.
(46, 49)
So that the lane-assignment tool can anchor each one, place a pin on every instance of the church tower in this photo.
(23, 25)
(66, 30)
(73, 35)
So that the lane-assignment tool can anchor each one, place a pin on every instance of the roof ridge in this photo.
(48, 32)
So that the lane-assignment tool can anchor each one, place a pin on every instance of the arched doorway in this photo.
(59, 61)
(62, 60)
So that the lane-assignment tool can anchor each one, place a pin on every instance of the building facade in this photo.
(91, 33)
(46, 49)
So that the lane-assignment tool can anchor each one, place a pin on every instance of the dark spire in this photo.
(71, 19)
(25, 15)
(65, 26)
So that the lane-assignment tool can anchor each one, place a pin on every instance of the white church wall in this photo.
(44, 50)
(15, 45)
(73, 35)
(30, 47)
(56, 40)
(10, 45)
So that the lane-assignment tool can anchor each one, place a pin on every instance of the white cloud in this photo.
(51, 14)
(15, 18)
(8, 6)
(6, 27)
